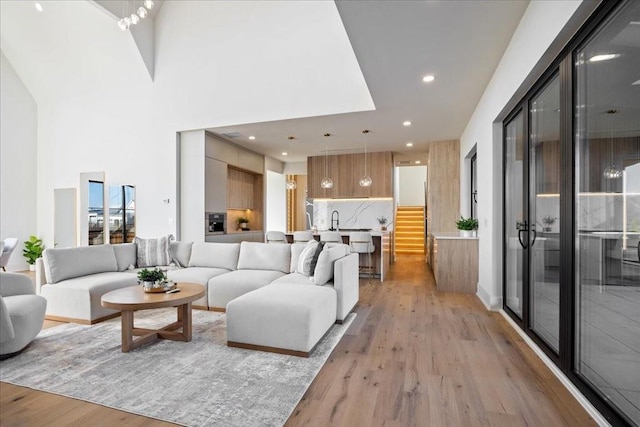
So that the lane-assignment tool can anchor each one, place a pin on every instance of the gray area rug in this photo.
(199, 383)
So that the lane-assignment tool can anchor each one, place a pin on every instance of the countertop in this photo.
(245, 232)
(452, 235)
(347, 233)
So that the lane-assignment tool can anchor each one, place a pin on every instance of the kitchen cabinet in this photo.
(215, 199)
(234, 155)
(240, 189)
(454, 261)
(346, 170)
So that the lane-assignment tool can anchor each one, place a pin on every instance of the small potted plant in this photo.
(548, 221)
(467, 226)
(243, 222)
(383, 222)
(153, 280)
(33, 249)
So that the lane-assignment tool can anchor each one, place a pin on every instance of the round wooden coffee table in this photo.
(134, 298)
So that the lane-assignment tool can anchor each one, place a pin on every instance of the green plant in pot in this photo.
(243, 222)
(33, 249)
(382, 220)
(152, 280)
(467, 226)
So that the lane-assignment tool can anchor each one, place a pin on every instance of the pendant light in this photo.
(291, 183)
(326, 181)
(611, 172)
(366, 180)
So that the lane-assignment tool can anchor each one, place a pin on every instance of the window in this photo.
(96, 213)
(121, 214)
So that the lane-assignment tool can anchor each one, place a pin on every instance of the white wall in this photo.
(276, 204)
(527, 46)
(18, 139)
(411, 185)
(99, 110)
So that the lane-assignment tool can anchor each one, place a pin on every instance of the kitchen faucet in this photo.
(337, 220)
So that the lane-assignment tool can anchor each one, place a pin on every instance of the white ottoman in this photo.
(283, 318)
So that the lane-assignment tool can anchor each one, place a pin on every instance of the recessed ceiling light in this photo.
(38, 7)
(603, 57)
(409, 144)
(252, 137)
(284, 153)
(406, 123)
(428, 78)
(637, 82)
(417, 162)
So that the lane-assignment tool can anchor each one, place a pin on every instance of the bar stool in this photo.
(330, 236)
(275, 237)
(361, 242)
(302, 236)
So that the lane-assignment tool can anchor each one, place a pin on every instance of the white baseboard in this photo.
(491, 303)
(591, 410)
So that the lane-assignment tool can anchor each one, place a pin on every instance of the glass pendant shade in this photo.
(326, 182)
(612, 172)
(366, 181)
(291, 184)
(122, 24)
(148, 4)
(134, 19)
(127, 21)
(142, 12)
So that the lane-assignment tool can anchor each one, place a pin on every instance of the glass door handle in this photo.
(533, 241)
(521, 226)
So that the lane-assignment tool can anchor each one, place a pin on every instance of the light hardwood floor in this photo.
(413, 356)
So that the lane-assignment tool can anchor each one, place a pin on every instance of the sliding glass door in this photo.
(544, 213)
(572, 211)
(515, 222)
(607, 206)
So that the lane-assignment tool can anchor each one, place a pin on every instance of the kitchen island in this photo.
(382, 256)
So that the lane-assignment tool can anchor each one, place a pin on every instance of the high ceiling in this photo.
(396, 44)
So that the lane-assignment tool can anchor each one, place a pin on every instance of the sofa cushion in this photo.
(264, 256)
(80, 297)
(67, 263)
(153, 252)
(294, 278)
(296, 250)
(306, 258)
(126, 254)
(199, 275)
(226, 287)
(214, 255)
(324, 268)
(180, 253)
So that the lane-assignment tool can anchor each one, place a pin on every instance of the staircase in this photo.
(409, 230)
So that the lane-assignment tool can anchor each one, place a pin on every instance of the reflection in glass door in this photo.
(515, 224)
(607, 211)
(544, 213)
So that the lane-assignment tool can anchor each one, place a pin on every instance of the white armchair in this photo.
(7, 249)
(21, 313)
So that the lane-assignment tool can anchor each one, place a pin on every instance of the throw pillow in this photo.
(314, 260)
(154, 252)
(324, 269)
(305, 258)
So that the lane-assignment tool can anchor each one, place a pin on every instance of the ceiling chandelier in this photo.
(366, 180)
(127, 19)
(611, 171)
(326, 181)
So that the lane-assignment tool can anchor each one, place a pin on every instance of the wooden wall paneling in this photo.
(258, 202)
(240, 186)
(346, 170)
(444, 186)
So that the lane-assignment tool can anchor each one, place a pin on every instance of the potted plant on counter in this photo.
(467, 226)
(243, 222)
(382, 220)
(33, 249)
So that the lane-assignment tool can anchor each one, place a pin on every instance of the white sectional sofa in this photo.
(73, 280)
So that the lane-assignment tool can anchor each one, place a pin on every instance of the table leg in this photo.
(185, 311)
(127, 330)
